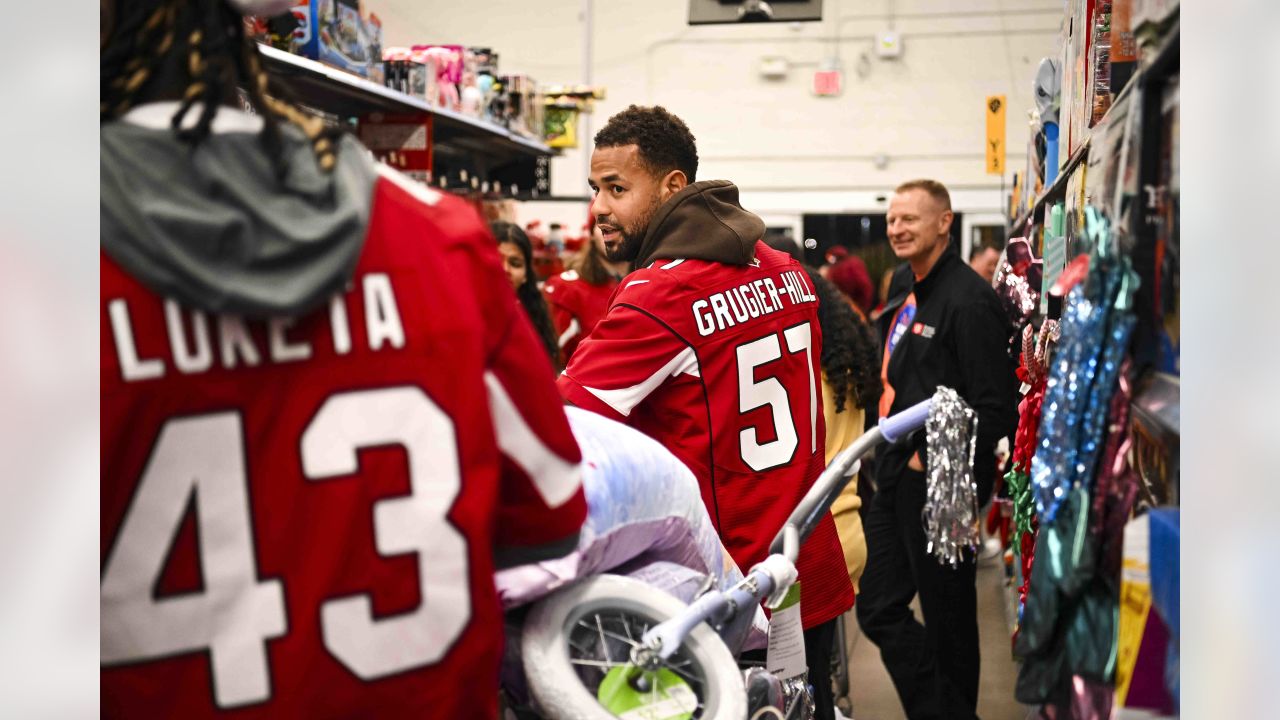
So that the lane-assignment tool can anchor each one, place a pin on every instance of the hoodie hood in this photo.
(218, 227)
(702, 222)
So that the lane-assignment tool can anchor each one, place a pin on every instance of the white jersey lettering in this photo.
(192, 335)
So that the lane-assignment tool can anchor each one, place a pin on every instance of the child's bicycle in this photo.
(612, 646)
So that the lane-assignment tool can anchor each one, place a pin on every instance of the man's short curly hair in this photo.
(664, 141)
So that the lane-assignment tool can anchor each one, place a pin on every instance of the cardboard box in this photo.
(402, 141)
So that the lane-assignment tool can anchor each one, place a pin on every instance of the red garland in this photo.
(1024, 448)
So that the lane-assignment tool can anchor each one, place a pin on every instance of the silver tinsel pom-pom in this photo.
(950, 515)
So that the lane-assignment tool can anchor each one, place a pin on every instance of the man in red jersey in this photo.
(325, 420)
(712, 347)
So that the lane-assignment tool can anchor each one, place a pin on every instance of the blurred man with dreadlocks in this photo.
(325, 420)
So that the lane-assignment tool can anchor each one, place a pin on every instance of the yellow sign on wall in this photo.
(995, 134)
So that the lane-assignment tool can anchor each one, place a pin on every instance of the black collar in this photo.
(925, 285)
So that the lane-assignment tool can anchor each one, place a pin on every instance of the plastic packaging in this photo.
(645, 507)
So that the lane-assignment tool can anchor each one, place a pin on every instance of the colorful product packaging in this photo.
(335, 33)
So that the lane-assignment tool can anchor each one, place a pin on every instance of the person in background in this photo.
(983, 259)
(580, 295)
(850, 384)
(850, 276)
(711, 346)
(950, 331)
(833, 255)
(886, 278)
(517, 260)
(882, 295)
(786, 244)
(310, 369)
(555, 239)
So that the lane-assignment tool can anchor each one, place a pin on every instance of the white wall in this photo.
(788, 151)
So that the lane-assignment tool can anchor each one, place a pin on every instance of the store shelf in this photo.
(341, 93)
(1054, 192)
(1165, 57)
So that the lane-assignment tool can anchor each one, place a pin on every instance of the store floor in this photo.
(871, 691)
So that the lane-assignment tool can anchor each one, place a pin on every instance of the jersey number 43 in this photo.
(237, 612)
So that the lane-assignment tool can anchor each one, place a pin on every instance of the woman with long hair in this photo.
(850, 383)
(580, 295)
(517, 260)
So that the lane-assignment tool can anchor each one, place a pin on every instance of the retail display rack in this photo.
(1152, 75)
(1124, 165)
(465, 150)
(1125, 149)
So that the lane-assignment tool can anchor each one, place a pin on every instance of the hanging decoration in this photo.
(950, 514)
(1096, 324)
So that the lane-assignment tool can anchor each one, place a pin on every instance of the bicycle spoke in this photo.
(611, 634)
(603, 643)
(608, 633)
(681, 673)
(591, 638)
(595, 663)
(584, 649)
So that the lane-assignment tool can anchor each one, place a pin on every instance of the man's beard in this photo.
(632, 237)
(628, 249)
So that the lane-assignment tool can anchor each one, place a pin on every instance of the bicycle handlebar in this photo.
(664, 638)
(896, 427)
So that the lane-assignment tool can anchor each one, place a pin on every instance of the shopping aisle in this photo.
(872, 692)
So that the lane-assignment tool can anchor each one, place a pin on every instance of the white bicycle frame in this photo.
(770, 579)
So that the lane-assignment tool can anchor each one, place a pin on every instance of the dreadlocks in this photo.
(218, 57)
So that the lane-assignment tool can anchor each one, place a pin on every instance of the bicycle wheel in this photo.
(576, 647)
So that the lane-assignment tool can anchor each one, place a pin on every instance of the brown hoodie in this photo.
(702, 222)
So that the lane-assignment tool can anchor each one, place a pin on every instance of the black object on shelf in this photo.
(1147, 250)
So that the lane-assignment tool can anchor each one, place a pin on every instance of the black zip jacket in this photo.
(959, 338)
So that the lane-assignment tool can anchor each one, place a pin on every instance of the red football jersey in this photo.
(299, 516)
(576, 307)
(722, 365)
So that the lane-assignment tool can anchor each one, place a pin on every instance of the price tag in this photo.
(785, 656)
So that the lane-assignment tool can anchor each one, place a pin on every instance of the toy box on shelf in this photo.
(450, 77)
(562, 105)
(1098, 84)
(403, 72)
(336, 33)
(1124, 44)
(1077, 106)
(522, 111)
(444, 65)
(483, 67)
(1104, 161)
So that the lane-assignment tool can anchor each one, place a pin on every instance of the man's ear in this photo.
(672, 183)
(944, 222)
